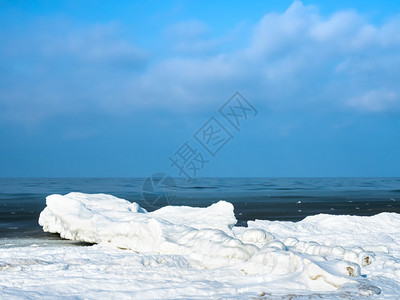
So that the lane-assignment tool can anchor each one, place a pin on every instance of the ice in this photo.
(171, 230)
(256, 236)
(187, 252)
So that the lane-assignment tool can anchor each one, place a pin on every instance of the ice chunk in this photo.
(202, 233)
(256, 236)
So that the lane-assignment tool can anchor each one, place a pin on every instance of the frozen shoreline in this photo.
(183, 252)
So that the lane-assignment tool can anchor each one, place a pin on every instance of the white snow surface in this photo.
(196, 253)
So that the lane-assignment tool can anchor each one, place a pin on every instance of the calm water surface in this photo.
(289, 199)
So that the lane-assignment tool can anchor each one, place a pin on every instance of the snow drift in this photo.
(207, 238)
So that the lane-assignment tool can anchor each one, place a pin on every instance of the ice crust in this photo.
(206, 238)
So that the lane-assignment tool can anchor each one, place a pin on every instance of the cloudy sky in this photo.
(100, 88)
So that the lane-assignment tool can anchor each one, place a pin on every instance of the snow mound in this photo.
(203, 233)
(207, 238)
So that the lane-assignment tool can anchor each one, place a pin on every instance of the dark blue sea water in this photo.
(22, 199)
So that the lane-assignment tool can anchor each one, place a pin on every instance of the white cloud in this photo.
(337, 26)
(377, 100)
(195, 38)
(191, 29)
(98, 44)
(275, 32)
(298, 59)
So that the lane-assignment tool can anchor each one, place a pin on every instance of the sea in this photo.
(283, 199)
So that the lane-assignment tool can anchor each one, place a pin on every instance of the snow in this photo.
(196, 253)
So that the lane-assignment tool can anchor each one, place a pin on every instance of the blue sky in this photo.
(99, 88)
